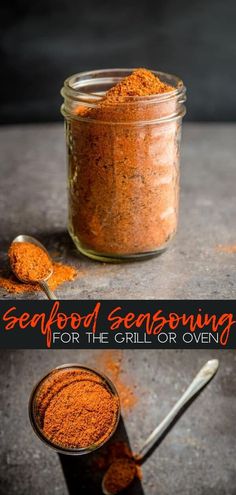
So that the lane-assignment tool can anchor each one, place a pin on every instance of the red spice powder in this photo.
(119, 475)
(111, 452)
(123, 194)
(61, 273)
(75, 408)
(230, 248)
(142, 82)
(118, 461)
(29, 262)
(111, 363)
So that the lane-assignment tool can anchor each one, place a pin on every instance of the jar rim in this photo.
(39, 432)
(74, 84)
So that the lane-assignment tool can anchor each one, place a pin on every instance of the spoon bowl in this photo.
(43, 283)
(120, 465)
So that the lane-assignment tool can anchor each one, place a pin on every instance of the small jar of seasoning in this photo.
(74, 409)
(123, 131)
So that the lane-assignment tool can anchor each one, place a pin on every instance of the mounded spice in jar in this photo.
(75, 408)
(123, 155)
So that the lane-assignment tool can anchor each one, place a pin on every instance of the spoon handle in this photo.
(49, 293)
(200, 380)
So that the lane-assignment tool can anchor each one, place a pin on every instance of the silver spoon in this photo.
(201, 379)
(43, 283)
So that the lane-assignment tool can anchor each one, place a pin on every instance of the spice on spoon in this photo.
(76, 408)
(119, 476)
(111, 362)
(29, 262)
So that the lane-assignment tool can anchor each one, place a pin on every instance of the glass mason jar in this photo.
(123, 166)
(45, 388)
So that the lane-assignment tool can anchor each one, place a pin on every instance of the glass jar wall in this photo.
(123, 166)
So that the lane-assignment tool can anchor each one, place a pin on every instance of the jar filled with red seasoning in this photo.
(123, 130)
(74, 409)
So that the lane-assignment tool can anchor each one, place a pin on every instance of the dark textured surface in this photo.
(197, 457)
(42, 43)
(33, 201)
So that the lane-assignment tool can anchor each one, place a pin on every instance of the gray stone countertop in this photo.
(197, 457)
(33, 201)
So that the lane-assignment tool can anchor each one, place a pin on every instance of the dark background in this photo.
(44, 42)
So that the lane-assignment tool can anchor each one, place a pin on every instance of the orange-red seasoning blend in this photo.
(111, 362)
(61, 274)
(75, 408)
(123, 169)
(29, 262)
(119, 475)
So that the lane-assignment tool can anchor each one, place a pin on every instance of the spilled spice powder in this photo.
(61, 274)
(111, 363)
(230, 248)
(110, 452)
(118, 450)
(75, 408)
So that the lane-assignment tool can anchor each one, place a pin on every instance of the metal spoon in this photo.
(201, 379)
(43, 283)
